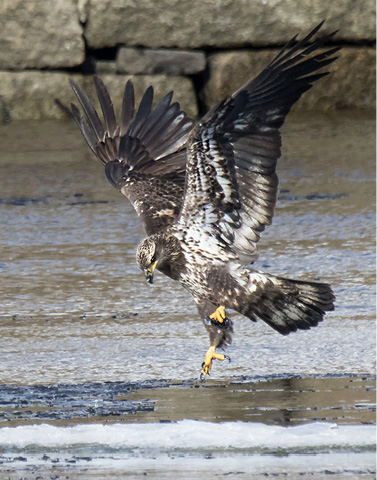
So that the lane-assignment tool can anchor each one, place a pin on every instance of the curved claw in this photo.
(226, 357)
(206, 366)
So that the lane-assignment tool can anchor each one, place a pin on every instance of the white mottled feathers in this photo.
(231, 184)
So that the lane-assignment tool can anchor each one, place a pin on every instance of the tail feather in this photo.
(291, 305)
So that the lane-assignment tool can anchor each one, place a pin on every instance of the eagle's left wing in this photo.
(231, 184)
(144, 155)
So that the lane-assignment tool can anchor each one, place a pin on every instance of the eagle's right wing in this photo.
(145, 155)
(231, 183)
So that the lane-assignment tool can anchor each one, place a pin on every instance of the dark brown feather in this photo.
(145, 155)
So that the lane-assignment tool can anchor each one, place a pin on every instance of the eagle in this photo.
(205, 190)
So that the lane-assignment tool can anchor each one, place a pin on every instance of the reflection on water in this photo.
(284, 400)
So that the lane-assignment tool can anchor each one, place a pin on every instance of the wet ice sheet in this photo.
(179, 467)
(151, 346)
(76, 308)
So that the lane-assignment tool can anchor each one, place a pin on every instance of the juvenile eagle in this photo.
(206, 190)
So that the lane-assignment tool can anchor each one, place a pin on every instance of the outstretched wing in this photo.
(145, 155)
(231, 184)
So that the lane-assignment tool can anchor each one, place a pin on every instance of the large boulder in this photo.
(350, 85)
(40, 34)
(136, 61)
(33, 95)
(222, 23)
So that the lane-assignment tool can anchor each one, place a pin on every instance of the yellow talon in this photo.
(210, 355)
(219, 315)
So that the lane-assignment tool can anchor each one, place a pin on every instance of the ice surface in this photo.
(189, 435)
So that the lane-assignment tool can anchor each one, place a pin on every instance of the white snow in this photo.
(190, 435)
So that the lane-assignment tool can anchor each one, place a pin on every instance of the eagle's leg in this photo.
(219, 328)
(211, 355)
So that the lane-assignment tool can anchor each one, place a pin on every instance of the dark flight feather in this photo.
(128, 108)
(106, 106)
(144, 156)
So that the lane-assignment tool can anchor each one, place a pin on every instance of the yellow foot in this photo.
(207, 364)
(219, 315)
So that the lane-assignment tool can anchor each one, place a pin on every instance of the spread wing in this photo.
(145, 155)
(231, 184)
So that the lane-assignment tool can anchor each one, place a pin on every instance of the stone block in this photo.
(190, 24)
(31, 94)
(40, 34)
(351, 83)
(136, 61)
(105, 66)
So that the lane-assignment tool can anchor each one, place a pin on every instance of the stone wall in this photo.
(202, 49)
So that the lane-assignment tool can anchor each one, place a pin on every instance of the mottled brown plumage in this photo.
(205, 191)
(145, 156)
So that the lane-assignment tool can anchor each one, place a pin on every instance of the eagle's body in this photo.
(206, 191)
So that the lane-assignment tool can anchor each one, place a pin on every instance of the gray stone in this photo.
(83, 7)
(350, 85)
(40, 34)
(32, 94)
(170, 62)
(105, 66)
(223, 23)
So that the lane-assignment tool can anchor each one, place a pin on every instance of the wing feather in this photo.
(144, 156)
(106, 106)
(128, 108)
(89, 110)
(231, 184)
(142, 113)
(87, 131)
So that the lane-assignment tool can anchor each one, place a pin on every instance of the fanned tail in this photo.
(290, 305)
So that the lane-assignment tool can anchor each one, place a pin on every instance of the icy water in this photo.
(99, 370)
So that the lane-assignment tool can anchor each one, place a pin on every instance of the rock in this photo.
(32, 94)
(223, 23)
(105, 66)
(350, 85)
(170, 62)
(83, 7)
(37, 34)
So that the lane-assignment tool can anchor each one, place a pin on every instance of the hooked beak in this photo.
(149, 272)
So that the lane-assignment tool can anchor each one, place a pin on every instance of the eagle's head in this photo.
(162, 251)
(146, 257)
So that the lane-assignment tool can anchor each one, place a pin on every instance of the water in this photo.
(86, 343)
